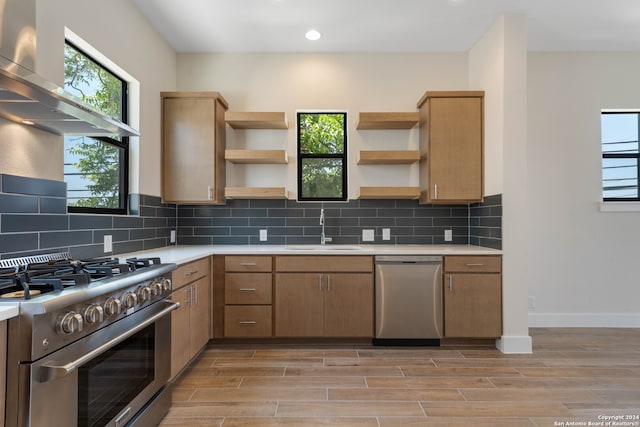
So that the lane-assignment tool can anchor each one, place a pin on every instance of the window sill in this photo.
(619, 206)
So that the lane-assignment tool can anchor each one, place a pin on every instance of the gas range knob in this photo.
(69, 323)
(129, 299)
(157, 289)
(112, 306)
(166, 284)
(93, 314)
(143, 293)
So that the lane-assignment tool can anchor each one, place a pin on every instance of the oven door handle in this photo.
(53, 372)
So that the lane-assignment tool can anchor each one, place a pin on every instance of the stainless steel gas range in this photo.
(91, 343)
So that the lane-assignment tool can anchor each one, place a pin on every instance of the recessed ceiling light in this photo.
(313, 35)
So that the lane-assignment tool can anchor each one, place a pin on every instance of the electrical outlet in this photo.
(532, 302)
(108, 243)
(172, 238)
(386, 234)
(368, 236)
(448, 235)
(263, 235)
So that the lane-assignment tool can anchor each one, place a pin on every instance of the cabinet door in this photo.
(180, 337)
(199, 321)
(193, 136)
(472, 305)
(348, 305)
(299, 305)
(453, 142)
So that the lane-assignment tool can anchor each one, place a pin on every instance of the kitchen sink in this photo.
(322, 248)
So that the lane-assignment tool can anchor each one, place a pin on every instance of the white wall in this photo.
(349, 82)
(118, 31)
(584, 263)
(497, 63)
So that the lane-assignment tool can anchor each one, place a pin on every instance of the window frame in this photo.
(635, 156)
(342, 156)
(122, 144)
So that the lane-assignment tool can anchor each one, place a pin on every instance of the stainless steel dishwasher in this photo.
(408, 300)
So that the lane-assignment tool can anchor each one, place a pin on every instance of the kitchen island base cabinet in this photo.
(190, 323)
(472, 297)
(323, 296)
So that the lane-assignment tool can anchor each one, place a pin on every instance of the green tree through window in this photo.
(322, 151)
(95, 167)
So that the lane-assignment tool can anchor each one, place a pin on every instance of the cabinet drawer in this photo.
(247, 288)
(473, 264)
(324, 263)
(247, 263)
(187, 273)
(247, 321)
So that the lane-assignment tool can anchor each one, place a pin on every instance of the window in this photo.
(322, 156)
(620, 155)
(96, 168)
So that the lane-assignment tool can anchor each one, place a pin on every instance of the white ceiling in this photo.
(388, 25)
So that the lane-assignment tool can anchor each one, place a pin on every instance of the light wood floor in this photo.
(574, 375)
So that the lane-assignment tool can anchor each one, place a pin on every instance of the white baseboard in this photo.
(514, 344)
(584, 320)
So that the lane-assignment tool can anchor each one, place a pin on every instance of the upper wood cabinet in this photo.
(193, 144)
(451, 143)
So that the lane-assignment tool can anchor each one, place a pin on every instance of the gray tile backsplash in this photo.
(485, 228)
(289, 222)
(33, 219)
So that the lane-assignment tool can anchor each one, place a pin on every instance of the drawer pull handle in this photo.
(247, 322)
(248, 289)
(191, 273)
(248, 264)
(479, 264)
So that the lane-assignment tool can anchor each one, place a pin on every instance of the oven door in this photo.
(106, 378)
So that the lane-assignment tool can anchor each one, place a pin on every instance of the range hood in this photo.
(29, 99)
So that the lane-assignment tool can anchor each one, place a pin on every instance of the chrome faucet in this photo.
(323, 239)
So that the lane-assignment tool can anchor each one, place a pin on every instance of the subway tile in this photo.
(397, 212)
(196, 222)
(231, 222)
(126, 247)
(247, 213)
(238, 203)
(276, 213)
(18, 242)
(380, 204)
(359, 212)
(127, 222)
(90, 222)
(148, 211)
(53, 205)
(260, 203)
(143, 233)
(154, 222)
(154, 243)
(65, 238)
(24, 223)
(147, 200)
(211, 231)
(272, 240)
(11, 203)
(34, 186)
(230, 240)
(377, 222)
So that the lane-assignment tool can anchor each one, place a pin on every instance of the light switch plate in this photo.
(368, 236)
(172, 238)
(263, 235)
(448, 235)
(108, 243)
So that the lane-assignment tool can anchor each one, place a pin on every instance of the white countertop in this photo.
(8, 310)
(185, 253)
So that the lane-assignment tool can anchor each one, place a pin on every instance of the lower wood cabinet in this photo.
(190, 323)
(472, 297)
(323, 296)
(248, 289)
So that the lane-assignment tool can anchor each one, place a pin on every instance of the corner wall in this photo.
(497, 64)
